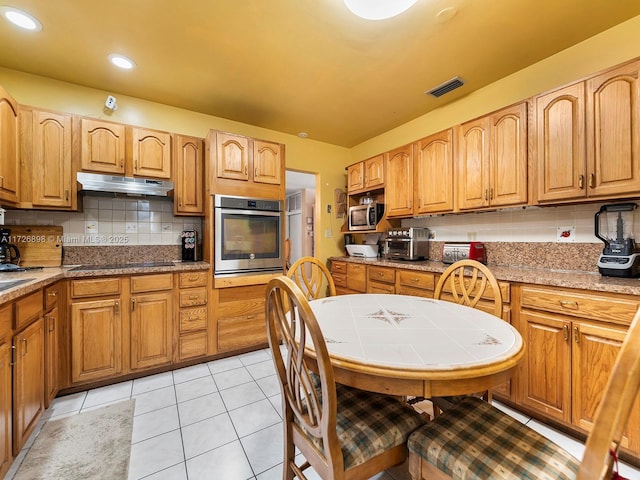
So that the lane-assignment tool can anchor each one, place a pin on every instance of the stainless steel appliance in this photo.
(452, 252)
(99, 184)
(365, 216)
(9, 253)
(407, 243)
(248, 235)
(620, 256)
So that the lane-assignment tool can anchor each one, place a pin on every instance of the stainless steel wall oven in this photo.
(248, 235)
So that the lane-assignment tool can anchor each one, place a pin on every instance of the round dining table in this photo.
(414, 346)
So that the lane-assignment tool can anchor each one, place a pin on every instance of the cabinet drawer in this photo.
(51, 294)
(192, 319)
(192, 279)
(193, 296)
(192, 345)
(377, 287)
(357, 277)
(339, 279)
(93, 287)
(410, 278)
(6, 320)
(505, 290)
(580, 304)
(243, 331)
(28, 309)
(339, 267)
(152, 283)
(381, 274)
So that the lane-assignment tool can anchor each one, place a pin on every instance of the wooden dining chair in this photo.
(468, 281)
(311, 275)
(342, 432)
(475, 441)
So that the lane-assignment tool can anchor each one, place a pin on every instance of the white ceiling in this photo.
(298, 65)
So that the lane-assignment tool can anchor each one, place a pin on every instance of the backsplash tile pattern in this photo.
(107, 221)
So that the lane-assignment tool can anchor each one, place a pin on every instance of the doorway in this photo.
(300, 209)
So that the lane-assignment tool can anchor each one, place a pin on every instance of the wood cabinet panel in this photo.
(240, 317)
(381, 274)
(357, 277)
(151, 330)
(355, 177)
(51, 351)
(192, 319)
(9, 159)
(399, 183)
(232, 156)
(151, 153)
(6, 416)
(151, 282)
(267, 162)
(433, 176)
(27, 309)
(193, 296)
(188, 176)
(102, 146)
(192, 345)
(92, 287)
(193, 279)
(416, 280)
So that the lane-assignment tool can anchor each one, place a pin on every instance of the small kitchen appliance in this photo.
(407, 243)
(9, 253)
(454, 251)
(189, 246)
(614, 226)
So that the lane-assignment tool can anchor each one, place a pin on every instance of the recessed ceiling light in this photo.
(378, 9)
(21, 19)
(121, 61)
(303, 134)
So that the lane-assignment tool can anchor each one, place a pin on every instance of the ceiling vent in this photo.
(446, 87)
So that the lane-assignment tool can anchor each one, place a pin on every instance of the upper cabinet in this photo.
(587, 139)
(114, 148)
(492, 160)
(245, 166)
(102, 146)
(47, 160)
(399, 186)
(9, 161)
(188, 176)
(151, 153)
(366, 175)
(433, 176)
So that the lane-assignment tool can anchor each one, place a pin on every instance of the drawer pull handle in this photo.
(13, 356)
(565, 332)
(581, 182)
(569, 304)
(116, 307)
(592, 180)
(576, 334)
(193, 297)
(52, 293)
(250, 317)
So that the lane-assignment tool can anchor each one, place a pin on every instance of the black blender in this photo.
(620, 256)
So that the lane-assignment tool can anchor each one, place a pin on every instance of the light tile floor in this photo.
(217, 420)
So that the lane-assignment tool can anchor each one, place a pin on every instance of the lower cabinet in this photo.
(241, 321)
(52, 342)
(6, 417)
(193, 325)
(381, 280)
(572, 340)
(349, 277)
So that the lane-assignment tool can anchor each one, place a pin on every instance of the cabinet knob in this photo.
(581, 182)
(576, 334)
(565, 332)
(592, 180)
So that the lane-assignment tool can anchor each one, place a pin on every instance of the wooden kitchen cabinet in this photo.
(28, 382)
(491, 170)
(52, 342)
(6, 414)
(349, 277)
(572, 341)
(9, 158)
(232, 156)
(381, 279)
(47, 163)
(399, 184)
(193, 328)
(240, 317)
(102, 146)
(433, 174)
(188, 176)
(151, 153)
(97, 347)
(151, 320)
(267, 162)
(415, 283)
(366, 175)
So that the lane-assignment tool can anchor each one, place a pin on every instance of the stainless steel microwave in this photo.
(365, 217)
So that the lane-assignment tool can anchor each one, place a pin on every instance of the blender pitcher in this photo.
(614, 226)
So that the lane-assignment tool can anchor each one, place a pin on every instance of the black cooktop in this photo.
(115, 266)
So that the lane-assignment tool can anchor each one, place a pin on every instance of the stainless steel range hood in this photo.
(98, 184)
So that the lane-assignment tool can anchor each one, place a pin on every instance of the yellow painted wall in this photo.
(614, 46)
(301, 154)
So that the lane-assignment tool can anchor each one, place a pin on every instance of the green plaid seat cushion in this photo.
(475, 441)
(370, 423)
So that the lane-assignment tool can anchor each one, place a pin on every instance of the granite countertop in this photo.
(40, 278)
(592, 281)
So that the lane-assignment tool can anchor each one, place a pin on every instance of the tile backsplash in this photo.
(107, 221)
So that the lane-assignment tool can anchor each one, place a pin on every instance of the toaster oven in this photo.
(409, 243)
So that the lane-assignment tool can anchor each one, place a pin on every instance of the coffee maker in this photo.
(614, 226)
(9, 253)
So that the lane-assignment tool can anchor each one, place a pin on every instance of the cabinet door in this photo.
(96, 340)
(472, 171)
(508, 156)
(355, 177)
(267, 162)
(151, 330)
(151, 153)
(6, 417)
(560, 147)
(102, 146)
(51, 326)
(28, 382)
(232, 156)
(613, 138)
(433, 188)
(399, 188)
(595, 349)
(188, 176)
(545, 376)
(51, 162)
(9, 161)
(374, 172)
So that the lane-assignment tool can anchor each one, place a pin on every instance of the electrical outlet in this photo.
(329, 208)
(566, 234)
(328, 233)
